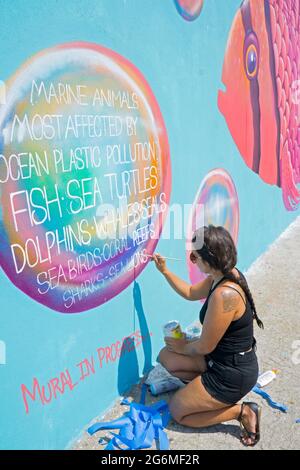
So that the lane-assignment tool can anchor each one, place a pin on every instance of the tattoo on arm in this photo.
(193, 349)
(230, 300)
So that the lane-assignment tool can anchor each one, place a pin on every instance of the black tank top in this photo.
(239, 335)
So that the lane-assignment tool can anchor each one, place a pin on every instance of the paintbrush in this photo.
(164, 257)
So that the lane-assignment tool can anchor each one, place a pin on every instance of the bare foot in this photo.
(249, 421)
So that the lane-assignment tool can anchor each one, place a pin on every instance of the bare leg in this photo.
(193, 406)
(185, 375)
(183, 367)
(209, 418)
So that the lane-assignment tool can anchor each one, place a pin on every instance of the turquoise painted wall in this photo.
(182, 62)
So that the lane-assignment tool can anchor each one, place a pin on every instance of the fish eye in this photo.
(251, 56)
(251, 61)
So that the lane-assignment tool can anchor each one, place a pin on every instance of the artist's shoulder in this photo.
(227, 299)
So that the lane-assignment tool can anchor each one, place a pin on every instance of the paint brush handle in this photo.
(165, 257)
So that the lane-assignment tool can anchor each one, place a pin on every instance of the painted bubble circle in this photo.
(216, 203)
(85, 176)
(189, 9)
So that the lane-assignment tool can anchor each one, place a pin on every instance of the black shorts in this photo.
(230, 378)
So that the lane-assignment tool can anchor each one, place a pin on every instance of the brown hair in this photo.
(216, 247)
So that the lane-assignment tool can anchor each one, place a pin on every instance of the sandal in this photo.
(254, 436)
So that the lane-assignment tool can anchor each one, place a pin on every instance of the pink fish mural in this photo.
(261, 71)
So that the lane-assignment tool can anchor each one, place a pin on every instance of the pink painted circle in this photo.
(216, 203)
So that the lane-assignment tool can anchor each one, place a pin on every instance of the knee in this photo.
(176, 408)
(163, 358)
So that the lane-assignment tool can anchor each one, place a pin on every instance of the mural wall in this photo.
(112, 114)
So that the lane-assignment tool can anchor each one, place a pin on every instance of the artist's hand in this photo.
(160, 262)
(176, 345)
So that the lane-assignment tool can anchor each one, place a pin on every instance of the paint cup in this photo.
(172, 329)
(193, 333)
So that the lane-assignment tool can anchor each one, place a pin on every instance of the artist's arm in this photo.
(181, 287)
(220, 313)
(187, 291)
